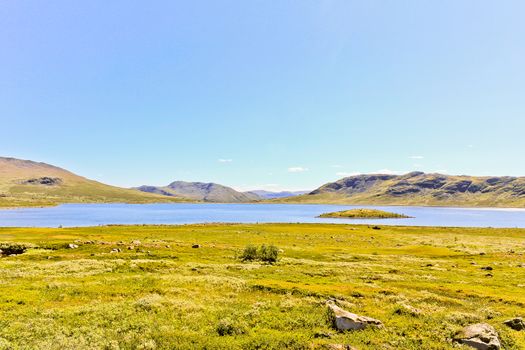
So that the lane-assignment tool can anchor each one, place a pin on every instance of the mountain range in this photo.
(200, 191)
(273, 195)
(418, 188)
(29, 183)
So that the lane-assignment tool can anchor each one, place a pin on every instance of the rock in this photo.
(481, 336)
(344, 320)
(339, 347)
(131, 247)
(196, 246)
(116, 250)
(487, 268)
(322, 335)
(135, 242)
(516, 323)
(72, 246)
(404, 309)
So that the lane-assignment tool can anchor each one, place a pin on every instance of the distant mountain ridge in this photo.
(29, 183)
(201, 191)
(272, 195)
(418, 188)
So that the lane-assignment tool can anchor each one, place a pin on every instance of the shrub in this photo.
(265, 253)
(227, 327)
(268, 253)
(249, 253)
(12, 248)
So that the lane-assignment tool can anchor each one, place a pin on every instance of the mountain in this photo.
(199, 191)
(272, 195)
(418, 188)
(28, 183)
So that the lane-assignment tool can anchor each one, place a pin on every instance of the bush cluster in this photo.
(266, 253)
(12, 248)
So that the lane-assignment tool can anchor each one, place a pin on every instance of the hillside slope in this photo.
(271, 195)
(418, 188)
(28, 183)
(200, 191)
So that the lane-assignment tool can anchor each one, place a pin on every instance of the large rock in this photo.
(516, 323)
(347, 321)
(480, 336)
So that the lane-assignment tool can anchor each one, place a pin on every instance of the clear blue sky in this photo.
(263, 94)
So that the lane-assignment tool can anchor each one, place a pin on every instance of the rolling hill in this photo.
(418, 188)
(271, 195)
(200, 191)
(28, 183)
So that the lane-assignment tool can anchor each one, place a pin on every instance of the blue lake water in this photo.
(69, 215)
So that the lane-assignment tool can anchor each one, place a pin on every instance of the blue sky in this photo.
(263, 94)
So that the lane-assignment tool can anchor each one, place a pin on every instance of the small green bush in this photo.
(228, 327)
(266, 253)
(12, 248)
(249, 253)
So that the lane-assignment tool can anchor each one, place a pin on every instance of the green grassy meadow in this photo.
(423, 283)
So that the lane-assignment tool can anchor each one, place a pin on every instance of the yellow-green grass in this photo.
(164, 294)
(363, 214)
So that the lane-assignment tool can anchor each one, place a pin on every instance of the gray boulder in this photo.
(72, 246)
(515, 323)
(481, 336)
(346, 321)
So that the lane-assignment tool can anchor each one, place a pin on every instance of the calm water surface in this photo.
(103, 214)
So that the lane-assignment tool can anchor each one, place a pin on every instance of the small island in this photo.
(363, 214)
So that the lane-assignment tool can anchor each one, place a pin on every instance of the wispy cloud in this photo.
(346, 173)
(223, 160)
(297, 169)
(416, 157)
(388, 172)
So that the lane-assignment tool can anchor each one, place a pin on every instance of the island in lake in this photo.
(363, 214)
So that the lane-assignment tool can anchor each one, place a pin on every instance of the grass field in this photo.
(423, 283)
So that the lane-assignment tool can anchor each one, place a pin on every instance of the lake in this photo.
(69, 215)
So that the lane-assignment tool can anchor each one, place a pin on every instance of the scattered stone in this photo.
(168, 246)
(489, 275)
(344, 320)
(135, 242)
(404, 309)
(89, 242)
(482, 253)
(339, 347)
(131, 247)
(72, 246)
(487, 268)
(116, 250)
(196, 246)
(429, 265)
(322, 335)
(376, 228)
(516, 323)
(481, 336)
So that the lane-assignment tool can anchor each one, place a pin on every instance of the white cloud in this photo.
(297, 169)
(388, 172)
(346, 174)
(337, 166)
(222, 160)
(416, 157)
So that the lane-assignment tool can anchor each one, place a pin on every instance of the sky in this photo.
(263, 94)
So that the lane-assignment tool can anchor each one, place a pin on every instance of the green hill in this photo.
(200, 191)
(28, 183)
(418, 188)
